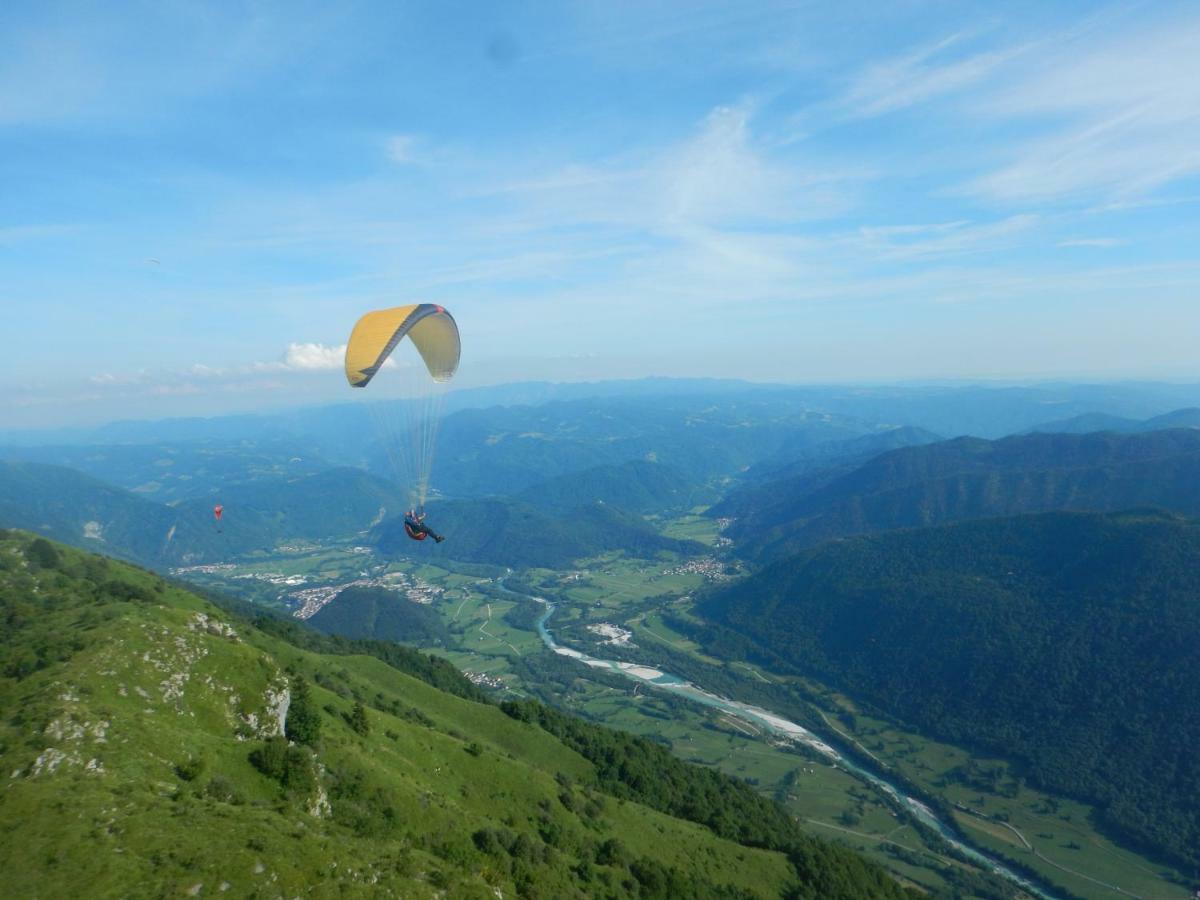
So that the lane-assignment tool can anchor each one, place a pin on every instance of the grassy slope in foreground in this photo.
(132, 709)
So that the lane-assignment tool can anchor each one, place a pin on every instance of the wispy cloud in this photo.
(1090, 242)
(1124, 116)
(297, 358)
(930, 72)
(944, 239)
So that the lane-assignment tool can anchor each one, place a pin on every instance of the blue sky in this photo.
(198, 199)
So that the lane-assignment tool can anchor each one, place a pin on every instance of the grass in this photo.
(692, 528)
(151, 720)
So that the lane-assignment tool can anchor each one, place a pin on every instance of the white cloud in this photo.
(313, 357)
(709, 209)
(200, 370)
(120, 379)
(719, 175)
(299, 357)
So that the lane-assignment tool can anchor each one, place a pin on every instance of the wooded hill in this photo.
(969, 478)
(69, 506)
(1179, 418)
(511, 533)
(637, 486)
(1067, 641)
(374, 612)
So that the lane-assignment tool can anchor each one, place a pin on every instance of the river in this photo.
(781, 727)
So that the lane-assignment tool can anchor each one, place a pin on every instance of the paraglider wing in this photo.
(217, 510)
(432, 330)
(408, 428)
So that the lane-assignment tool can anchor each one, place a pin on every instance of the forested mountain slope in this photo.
(75, 508)
(1179, 418)
(505, 450)
(511, 533)
(794, 472)
(637, 486)
(969, 478)
(1068, 641)
(157, 745)
(168, 472)
(374, 612)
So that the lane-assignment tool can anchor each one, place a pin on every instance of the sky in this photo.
(197, 200)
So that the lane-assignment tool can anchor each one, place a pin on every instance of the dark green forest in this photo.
(372, 612)
(634, 768)
(1068, 641)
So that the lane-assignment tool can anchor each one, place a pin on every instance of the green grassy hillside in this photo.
(156, 745)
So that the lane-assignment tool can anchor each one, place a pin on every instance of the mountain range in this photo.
(968, 478)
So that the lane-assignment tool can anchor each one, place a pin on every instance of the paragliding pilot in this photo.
(415, 527)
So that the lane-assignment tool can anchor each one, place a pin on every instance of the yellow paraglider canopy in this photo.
(432, 330)
(407, 402)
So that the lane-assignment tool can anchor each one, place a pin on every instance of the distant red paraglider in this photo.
(217, 510)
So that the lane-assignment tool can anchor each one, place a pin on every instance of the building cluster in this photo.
(482, 679)
(277, 578)
(209, 569)
(311, 600)
(612, 634)
(301, 547)
(421, 592)
(708, 567)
